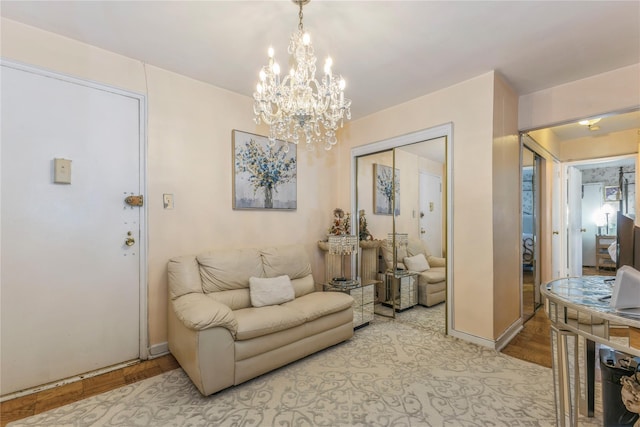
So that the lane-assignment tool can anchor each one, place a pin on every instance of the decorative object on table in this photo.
(363, 231)
(264, 177)
(342, 245)
(298, 105)
(387, 189)
(341, 223)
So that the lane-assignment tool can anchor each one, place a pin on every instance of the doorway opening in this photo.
(597, 190)
(600, 151)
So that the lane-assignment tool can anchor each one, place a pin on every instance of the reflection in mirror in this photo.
(373, 218)
(530, 214)
(401, 195)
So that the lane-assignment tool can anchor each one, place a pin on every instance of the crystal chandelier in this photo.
(299, 105)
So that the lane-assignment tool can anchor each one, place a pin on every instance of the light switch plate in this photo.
(167, 201)
(62, 171)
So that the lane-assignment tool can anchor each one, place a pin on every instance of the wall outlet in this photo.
(167, 201)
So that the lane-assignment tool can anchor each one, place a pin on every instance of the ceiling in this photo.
(388, 51)
(607, 124)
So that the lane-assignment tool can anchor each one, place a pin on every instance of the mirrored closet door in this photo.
(530, 196)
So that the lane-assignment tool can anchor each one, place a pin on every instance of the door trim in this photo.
(143, 352)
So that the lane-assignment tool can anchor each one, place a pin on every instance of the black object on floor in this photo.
(612, 368)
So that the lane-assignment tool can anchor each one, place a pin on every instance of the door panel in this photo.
(591, 203)
(557, 249)
(574, 223)
(431, 212)
(70, 285)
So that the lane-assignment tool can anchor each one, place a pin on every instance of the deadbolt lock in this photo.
(134, 200)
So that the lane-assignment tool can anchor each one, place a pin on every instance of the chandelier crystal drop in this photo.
(300, 106)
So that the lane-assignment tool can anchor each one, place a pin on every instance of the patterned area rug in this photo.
(402, 372)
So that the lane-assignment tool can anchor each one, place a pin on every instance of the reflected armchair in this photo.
(432, 281)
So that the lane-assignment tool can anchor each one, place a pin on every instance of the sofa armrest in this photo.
(199, 312)
(436, 261)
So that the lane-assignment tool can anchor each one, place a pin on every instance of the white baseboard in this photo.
(509, 334)
(499, 344)
(158, 350)
(472, 338)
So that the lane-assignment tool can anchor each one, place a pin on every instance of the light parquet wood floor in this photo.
(533, 343)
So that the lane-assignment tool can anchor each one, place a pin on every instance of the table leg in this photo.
(591, 373)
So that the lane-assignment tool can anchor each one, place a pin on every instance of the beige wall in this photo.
(608, 145)
(189, 155)
(616, 90)
(506, 207)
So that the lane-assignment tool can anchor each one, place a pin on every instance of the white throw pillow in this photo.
(270, 291)
(417, 263)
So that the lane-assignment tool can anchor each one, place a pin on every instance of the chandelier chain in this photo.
(300, 18)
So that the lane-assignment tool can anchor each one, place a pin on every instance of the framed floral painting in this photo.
(264, 176)
(385, 182)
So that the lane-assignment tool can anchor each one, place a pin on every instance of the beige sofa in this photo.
(220, 339)
(432, 283)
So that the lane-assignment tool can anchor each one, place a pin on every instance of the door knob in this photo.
(583, 230)
(422, 231)
(556, 232)
(129, 241)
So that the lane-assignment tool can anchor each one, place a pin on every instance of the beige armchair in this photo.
(432, 282)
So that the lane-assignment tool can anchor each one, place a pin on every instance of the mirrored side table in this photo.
(401, 290)
(363, 299)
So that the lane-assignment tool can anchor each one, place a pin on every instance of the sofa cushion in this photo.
(434, 275)
(318, 304)
(224, 270)
(387, 254)
(415, 247)
(197, 311)
(303, 285)
(270, 291)
(258, 321)
(235, 299)
(184, 276)
(286, 260)
(416, 263)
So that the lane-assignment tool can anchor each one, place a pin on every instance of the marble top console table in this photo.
(580, 315)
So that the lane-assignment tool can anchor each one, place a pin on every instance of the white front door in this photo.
(70, 284)
(574, 223)
(431, 212)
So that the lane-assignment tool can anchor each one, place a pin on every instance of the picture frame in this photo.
(611, 193)
(264, 176)
(383, 190)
